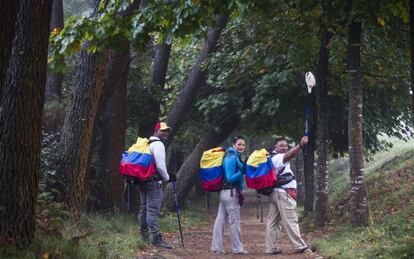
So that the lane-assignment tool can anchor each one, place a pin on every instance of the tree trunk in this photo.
(309, 174)
(77, 129)
(321, 194)
(195, 79)
(187, 176)
(113, 126)
(21, 123)
(162, 56)
(55, 81)
(159, 72)
(412, 56)
(358, 193)
(53, 114)
(8, 15)
(298, 162)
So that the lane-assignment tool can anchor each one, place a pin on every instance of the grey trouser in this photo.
(282, 212)
(150, 205)
(229, 210)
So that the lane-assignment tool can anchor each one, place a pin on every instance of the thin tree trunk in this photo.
(412, 56)
(321, 194)
(8, 16)
(159, 72)
(53, 114)
(358, 192)
(300, 179)
(309, 174)
(21, 122)
(55, 81)
(195, 79)
(162, 56)
(187, 176)
(113, 126)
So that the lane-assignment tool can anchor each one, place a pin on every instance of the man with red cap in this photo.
(151, 193)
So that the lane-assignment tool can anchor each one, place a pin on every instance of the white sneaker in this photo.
(241, 252)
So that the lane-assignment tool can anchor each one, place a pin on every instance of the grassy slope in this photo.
(96, 235)
(390, 181)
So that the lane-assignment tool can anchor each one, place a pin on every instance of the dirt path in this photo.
(197, 241)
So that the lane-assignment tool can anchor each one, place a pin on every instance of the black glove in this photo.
(173, 178)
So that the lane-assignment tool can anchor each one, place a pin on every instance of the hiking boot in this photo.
(274, 252)
(304, 250)
(145, 236)
(158, 241)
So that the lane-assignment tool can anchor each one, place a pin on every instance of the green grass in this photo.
(390, 236)
(388, 159)
(390, 180)
(100, 236)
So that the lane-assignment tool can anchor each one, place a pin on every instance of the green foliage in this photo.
(115, 21)
(257, 72)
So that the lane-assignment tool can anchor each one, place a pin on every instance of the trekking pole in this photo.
(177, 209)
(261, 209)
(208, 201)
(310, 82)
(127, 195)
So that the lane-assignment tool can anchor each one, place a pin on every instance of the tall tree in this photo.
(196, 78)
(358, 193)
(21, 122)
(75, 142)
(78, 126)
(158, 77)
(321, 193)
(8, 15)
(187, 176)
(55, 80)
(411, 10)
(53, 115)
(309, 173)
(112, 127)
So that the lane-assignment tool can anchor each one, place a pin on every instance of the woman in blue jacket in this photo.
(229, 207)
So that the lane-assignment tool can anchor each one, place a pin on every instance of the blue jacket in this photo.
(233, 168)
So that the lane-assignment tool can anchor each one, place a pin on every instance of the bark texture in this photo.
(112, 127)
(309, 174)
(8, 15)
(358, 192)
(78, 127)
(412, 56)
(321, 194)
(21, 122)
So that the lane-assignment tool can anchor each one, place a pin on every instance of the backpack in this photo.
(260, 174)
(211, 170)
(138, 162)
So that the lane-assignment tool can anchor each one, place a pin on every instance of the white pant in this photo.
(229, 210)
(282, 213)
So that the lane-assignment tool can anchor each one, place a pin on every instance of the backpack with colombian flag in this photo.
(138, 161)
(260, 174)
(211, 170)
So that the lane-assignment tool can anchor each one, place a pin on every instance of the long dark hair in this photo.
(235, 138)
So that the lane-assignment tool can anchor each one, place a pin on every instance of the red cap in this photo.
(162, 126)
